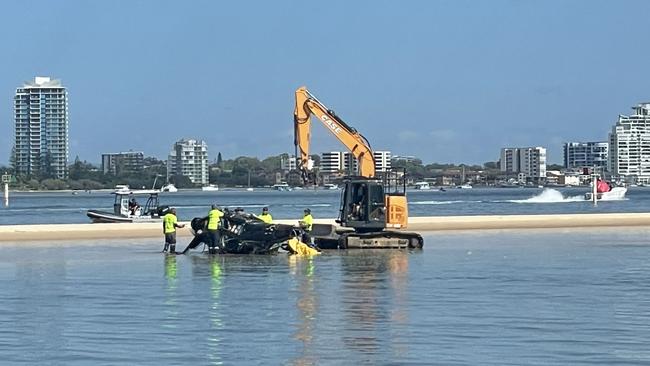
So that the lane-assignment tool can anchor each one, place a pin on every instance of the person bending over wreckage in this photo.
(243, 233)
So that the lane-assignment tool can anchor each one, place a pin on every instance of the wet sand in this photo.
(14, 233)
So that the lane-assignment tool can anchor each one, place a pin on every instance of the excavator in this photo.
(373, 208)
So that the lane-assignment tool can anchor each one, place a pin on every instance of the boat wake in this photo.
(438, 202)
(549, 195)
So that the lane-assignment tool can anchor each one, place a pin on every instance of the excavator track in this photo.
(381, 240)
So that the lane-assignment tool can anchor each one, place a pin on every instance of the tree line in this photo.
(242, 171)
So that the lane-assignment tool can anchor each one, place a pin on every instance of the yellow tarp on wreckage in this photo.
(299, 248)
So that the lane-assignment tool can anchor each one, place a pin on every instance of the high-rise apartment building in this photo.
(530, 161)
(349, 164)
(382, 161)
(41, 129)
(629, 145)
(509, 160)
(189, 158)
(289, 163)
(331, 162)
(130, 162)
(586, 154)
(406, 158)
(335, 161)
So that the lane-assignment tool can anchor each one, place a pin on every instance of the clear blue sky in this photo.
(447, 81)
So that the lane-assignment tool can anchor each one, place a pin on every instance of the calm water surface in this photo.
(482, 298)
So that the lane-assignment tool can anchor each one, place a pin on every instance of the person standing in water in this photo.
(170, 223)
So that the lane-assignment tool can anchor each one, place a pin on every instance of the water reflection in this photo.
(171, 295)
(212, 268)
(374, 300)
(303, 268)
(41, 327)
(214, 340)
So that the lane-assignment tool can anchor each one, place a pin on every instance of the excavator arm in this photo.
(306, 106)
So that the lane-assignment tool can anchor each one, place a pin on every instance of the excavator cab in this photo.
(362, 204)
(372, 204)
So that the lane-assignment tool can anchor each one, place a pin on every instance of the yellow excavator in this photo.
(373, 208)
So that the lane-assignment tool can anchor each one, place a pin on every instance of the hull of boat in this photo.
(109, 217)
(617, 193)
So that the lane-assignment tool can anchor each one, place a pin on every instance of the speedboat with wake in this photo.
(127, 209)
(605, 192)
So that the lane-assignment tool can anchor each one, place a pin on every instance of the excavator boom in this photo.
(306, 106)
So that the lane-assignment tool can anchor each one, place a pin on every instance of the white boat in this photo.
(282, 187)
(465, 186)
(330, 186)
(122, 188)
(616, 193)
(422, 185)
(211, 187)
(169, 188)
(127, 209)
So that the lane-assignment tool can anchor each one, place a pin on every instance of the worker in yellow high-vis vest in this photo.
(266, 216)
(170, 223)
(306, 224)
(214, 220)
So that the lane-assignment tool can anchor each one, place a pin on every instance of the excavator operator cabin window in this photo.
(376, 203)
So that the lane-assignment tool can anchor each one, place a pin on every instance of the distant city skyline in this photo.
(447, 82)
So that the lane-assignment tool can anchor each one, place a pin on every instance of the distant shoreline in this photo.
(50, 232)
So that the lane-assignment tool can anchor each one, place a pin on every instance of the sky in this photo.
(446, 81)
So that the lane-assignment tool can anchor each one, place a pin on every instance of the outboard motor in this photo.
(163, 210)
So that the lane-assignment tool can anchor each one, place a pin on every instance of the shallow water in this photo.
(63, 207)
(486, 297)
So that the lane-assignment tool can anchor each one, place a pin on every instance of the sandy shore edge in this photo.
(9, 233)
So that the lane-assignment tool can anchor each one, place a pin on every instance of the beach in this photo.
(9, 233)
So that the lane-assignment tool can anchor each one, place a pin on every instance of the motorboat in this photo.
(169, 188)
(122, 188)
(616, 193)
(210, 188)
(465, 186)
(422, 185)
(126, 208)
(330, 186)
(284, 187)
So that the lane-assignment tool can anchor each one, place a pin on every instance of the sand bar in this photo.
(421, 224)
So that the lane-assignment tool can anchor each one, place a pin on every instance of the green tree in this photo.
(32, 184)
(494, 165)
(181, 181)
(45, 171)
(272, 164)
(219, 160)
(54, 184)
(12, 157)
